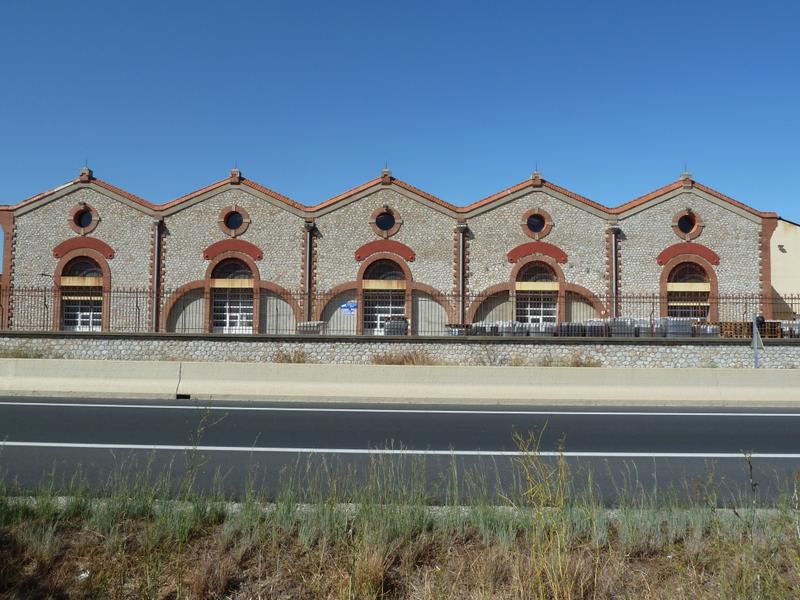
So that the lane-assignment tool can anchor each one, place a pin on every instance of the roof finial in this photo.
(85, 175)
(386, 174)
(686, 177)
(236, 174)
(536, 176)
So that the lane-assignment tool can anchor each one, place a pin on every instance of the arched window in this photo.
(688, 291)
(232, 297)
(688, 272)
(537, 294)
(81, 295)
(82, 267)
(537, 271)
(384, 299)
(386, 270)
(232, 268)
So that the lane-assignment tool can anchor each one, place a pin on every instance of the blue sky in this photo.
(462, 99)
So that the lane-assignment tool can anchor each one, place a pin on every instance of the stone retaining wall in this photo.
(610, 352)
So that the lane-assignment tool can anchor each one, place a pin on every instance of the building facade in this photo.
(237, 257)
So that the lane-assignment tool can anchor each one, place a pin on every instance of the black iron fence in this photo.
(236, 310)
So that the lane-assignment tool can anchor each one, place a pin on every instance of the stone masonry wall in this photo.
(733, 237)
(666, 354)
(428, 232)
(128, 231)
(577, 232)
(275, 230)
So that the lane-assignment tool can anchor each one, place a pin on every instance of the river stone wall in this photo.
(351, 350)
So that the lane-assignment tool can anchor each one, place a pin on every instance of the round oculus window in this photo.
(536, 223)
(234, 220)
(385, 221)
(83, 218)
(686, 224)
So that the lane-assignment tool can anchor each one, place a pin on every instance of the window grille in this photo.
(693, 305)
(378, 307)
(232, 310)
(537, 307)
(82, 309)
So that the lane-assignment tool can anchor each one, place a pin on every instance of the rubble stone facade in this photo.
(302, 263)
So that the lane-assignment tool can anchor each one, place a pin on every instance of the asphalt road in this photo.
(230, 444)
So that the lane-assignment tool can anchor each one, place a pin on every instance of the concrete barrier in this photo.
(445, 384)
(88, 378)
(491, 384)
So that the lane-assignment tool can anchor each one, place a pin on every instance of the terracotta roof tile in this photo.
(529, 183)
(272, 193)
(123, 193)
(346, 194)
(194, 194)
(679, 184)
(402, 184)
(647, 197)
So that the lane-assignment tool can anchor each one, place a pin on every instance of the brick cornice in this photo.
(687, 248)
(392, 246)
(544, 248)
(232, 245)
(79, 243)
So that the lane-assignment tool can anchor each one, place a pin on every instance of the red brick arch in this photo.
(564, 287)
(537, 249)
(245, 258)
(708, 267)
(101, 261)
(384, 246)
(83, 243)
(240, 246)
(357, 287)
(205, 285)
(688, 248)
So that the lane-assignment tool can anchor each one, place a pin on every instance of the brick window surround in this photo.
(223, 217)
(75, 213)
(548, 223)
(696, 229)
(392, 230)
(65, 259)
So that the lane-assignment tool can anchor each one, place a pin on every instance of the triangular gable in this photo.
(386, 181)
(524, 188)
(235, 181)
(687, 185)
(535, 183)
(86, 180)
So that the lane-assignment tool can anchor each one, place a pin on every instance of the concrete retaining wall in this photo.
(611, 352)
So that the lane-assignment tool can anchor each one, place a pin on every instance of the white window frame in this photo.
(378, 306)
(232, 310)
(536, 307)
(82, 310)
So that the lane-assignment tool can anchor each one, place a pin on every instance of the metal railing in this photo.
(371, 312)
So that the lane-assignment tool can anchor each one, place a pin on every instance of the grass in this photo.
(292, 356)
(330, 531)
(413, 357)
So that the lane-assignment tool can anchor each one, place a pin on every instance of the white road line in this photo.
(439, 411)
(393, 451)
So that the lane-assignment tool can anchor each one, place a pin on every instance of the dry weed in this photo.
(292, 356)
(414, 357)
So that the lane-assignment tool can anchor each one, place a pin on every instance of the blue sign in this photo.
(349, 307)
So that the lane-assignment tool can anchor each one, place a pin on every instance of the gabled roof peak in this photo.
(534, 182)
